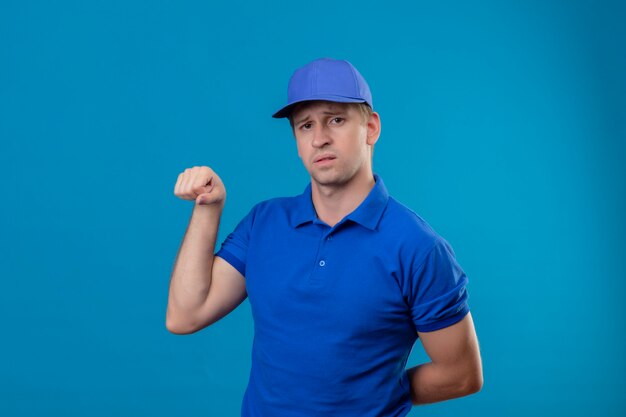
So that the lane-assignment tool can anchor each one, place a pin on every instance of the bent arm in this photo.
(455, 369)
(203, 288)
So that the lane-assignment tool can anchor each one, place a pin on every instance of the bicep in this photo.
(455, 345)
(227, 291)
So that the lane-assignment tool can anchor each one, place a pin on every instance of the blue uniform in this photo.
(337, 309)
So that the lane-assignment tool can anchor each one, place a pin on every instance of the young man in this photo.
(341, 279)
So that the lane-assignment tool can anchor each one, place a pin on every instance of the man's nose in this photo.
(321, 136)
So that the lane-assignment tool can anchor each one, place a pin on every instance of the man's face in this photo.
(334, 142)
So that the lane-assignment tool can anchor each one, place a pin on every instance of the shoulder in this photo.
(273, 209)
(275, 203)
(413, 234)
(407, 222)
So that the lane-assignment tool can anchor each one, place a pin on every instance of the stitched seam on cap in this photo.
(356, 84)
(314, 80)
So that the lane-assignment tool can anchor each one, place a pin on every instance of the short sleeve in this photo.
(439, 295)
(234, 249)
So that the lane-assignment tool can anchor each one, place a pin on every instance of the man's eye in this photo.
(337, 120)
(306, 126)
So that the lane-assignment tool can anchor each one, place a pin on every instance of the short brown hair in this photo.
(364, 109)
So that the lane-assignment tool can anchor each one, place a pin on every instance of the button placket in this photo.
(317, 275)
(322, 261)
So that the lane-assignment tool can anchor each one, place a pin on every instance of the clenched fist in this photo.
(200, 184)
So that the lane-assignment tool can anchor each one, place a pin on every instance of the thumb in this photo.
(204, 199)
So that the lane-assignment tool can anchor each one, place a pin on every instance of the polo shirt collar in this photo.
(303, 210)
(367, 214)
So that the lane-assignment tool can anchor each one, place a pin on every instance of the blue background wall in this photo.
(503, 126)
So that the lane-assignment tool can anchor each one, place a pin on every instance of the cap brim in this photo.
(286, 111)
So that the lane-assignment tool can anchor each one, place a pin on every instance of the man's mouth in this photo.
(324, 158)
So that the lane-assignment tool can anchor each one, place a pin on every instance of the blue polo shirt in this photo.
(337, 309)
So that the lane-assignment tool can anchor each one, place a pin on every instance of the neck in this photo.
(334, 202)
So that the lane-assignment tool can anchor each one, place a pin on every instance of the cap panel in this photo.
(340, 81)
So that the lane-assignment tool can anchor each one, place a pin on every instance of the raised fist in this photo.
(200, 184)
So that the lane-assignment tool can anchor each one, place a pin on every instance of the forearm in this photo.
(432, 382)
(191, 275)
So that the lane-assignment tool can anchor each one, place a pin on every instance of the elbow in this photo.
(473, 383)
(175, 328)
(473, 376)
(474, 386)
(179, 327)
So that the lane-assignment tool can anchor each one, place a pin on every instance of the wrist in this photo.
(208, 212)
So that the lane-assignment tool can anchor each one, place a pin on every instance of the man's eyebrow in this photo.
(302, 120)
(329, 113)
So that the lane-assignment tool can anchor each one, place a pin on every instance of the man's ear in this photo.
(373, 129)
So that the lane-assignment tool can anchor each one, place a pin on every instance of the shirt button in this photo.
(329, 238)
(322, 263)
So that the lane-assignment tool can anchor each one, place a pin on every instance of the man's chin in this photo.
(329, 179)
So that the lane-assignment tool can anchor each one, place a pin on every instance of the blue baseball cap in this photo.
(326, 79)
